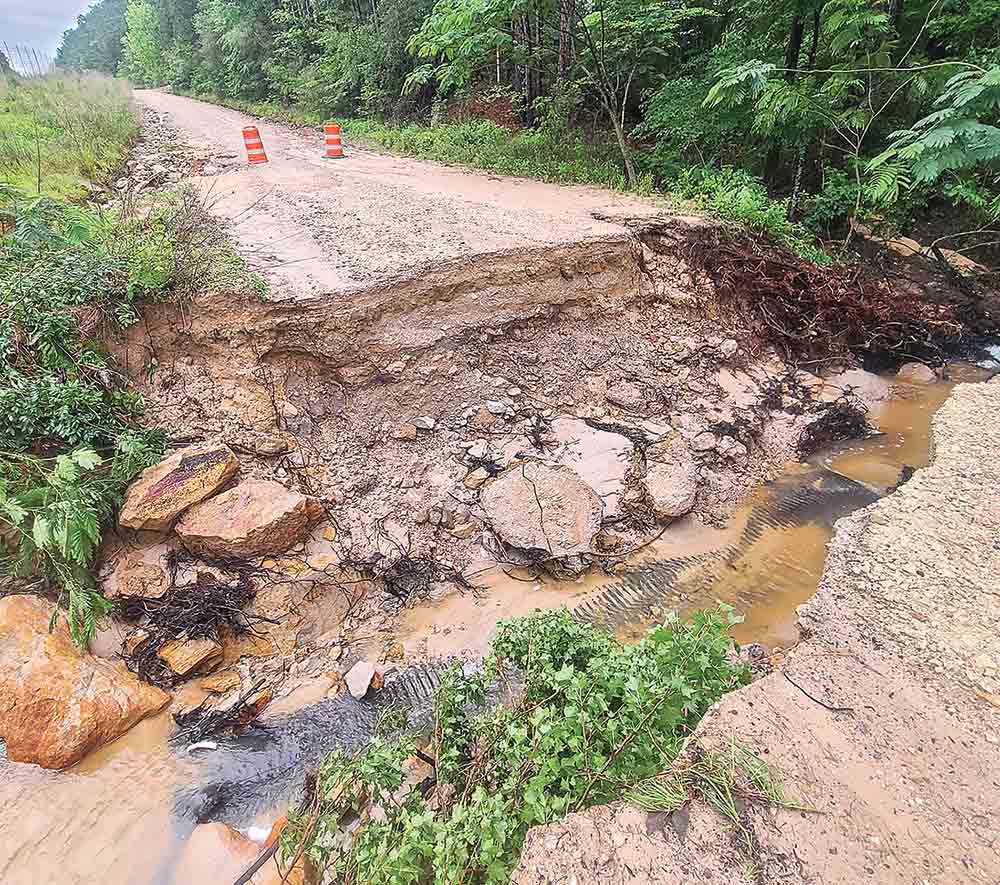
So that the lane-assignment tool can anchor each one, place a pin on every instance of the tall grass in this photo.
(60, 131)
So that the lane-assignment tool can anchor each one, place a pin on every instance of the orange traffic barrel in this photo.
(255, 147)
(334, 149)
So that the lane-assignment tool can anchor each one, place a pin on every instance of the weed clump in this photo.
(590, 720)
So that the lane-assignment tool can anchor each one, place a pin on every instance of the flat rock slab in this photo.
(58, 704)
(256, 518)
(600, 458)
(164, 491)
(186, 656)
(535, 506)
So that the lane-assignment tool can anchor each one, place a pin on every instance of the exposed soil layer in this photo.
(884, 720)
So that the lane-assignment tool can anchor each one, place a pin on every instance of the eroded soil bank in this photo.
(398, 407)
(884, 720)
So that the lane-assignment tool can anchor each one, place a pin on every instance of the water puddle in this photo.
(111, 819)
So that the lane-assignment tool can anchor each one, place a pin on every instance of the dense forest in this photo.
(818, 111)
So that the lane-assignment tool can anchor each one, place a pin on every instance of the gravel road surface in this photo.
(316, 226)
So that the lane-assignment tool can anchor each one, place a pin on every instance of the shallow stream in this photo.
(121, 817)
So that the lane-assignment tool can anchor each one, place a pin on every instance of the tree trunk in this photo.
(895, 13)
(794, 47)
(817, 13)
(567, 15)
(620, 137)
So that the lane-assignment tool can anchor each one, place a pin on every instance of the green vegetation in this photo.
(591, 721)
(793, 116)
(58, 133)
(71, 437)
(729, 781)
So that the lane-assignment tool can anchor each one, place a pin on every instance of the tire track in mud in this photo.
(255, 772)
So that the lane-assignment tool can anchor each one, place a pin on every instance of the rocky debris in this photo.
(140, 572)
(424, 422)
(671, 480)
(476, 478)
(623, 845)
(731, 448)
(543, 509)
(256, 518)
(627, 395)
(916, 373)
(221, 682)
(359, 679)
(164, 491)
(58, 704)
(187, 656)
(871, 389)
(406, 432)
(600, 458)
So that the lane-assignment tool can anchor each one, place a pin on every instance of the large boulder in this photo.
(600, 458)
(871, 389)
(164, 491)
(536, 507)
(671, 480)
(256, 518)
(56, 703)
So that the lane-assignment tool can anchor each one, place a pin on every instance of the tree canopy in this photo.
(844, 108)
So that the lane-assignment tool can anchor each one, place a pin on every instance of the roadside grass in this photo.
(730, 781)
(61, 131)
(557, 156)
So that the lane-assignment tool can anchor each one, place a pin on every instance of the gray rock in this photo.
(916, 373)
(424, 422)
(600, 458)
(671, 480)
(495, 407)
(866, 386)
(534, 506)
(704, 441)
(626, 394)
(478, 449)
(359, 679)
(728, 348)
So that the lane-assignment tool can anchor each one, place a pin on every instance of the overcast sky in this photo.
(38, 23)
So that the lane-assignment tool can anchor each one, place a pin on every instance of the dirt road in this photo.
(315, 226)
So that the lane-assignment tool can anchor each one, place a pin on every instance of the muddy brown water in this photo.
(111, 819)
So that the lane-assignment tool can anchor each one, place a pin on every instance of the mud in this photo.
(883, 721)
(367, 378)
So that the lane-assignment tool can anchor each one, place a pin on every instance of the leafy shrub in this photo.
(592, 720)
(544, 153)
(736, 195)
(70, 432)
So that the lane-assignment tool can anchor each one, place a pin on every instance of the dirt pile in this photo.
(883, 724)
